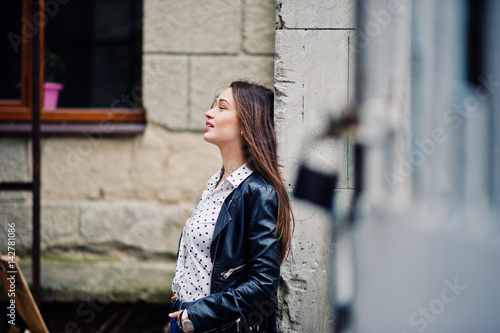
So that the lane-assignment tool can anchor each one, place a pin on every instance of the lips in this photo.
(208, 126)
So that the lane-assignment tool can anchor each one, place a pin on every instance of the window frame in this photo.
(21, 110)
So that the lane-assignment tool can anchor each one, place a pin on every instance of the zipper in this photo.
(227, 273)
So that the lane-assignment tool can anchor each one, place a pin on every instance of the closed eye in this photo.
(222, 104)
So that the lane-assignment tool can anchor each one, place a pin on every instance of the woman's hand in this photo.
(176, 315)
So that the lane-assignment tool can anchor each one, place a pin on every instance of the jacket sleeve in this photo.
(253, 300)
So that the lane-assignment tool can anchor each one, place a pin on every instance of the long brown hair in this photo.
(255, 108)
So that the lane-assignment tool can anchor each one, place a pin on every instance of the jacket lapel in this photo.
(224, 217)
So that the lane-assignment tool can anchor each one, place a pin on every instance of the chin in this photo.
(207, 139)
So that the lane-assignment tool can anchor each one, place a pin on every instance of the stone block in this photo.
(326, 74)
(192, 26)
(326, 80)
(351, 99)
(139, 228)
(59, 222)
(165, 84)
(288, 108)
(21, 215)
(338, 14)
(311, 86)
(87, 167)
(172, 167)
(306, 275)
(15, 161)
(353, 51)
(15, 196)
(95, 284)
(212, 74)
(259, 26)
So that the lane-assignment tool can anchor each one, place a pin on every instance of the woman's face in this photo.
(223, 125)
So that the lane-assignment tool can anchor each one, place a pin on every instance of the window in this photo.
(93, 48)
(15, 72)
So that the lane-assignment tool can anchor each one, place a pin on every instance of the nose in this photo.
(210, 113)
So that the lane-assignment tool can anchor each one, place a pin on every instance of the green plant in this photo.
(54, 66)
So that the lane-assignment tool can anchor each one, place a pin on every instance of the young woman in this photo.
(232, 246)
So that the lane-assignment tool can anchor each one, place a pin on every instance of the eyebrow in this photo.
(223, 100)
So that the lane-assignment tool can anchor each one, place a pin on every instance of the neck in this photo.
(232, 159)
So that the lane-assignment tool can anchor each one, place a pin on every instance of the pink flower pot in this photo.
(51, 95)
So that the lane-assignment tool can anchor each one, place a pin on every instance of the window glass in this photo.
(98, 44)
(10, 44)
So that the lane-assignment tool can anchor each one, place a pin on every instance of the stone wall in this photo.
(125, 199)
(313, 81)
(193, 49)
(120, 201)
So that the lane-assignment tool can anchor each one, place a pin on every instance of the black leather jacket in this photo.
(246, 253)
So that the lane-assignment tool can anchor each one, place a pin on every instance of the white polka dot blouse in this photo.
(194, 265)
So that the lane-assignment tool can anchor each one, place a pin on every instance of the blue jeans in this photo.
(173, 326)
(175, 305)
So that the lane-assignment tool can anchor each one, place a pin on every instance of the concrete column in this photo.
(313, 80)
